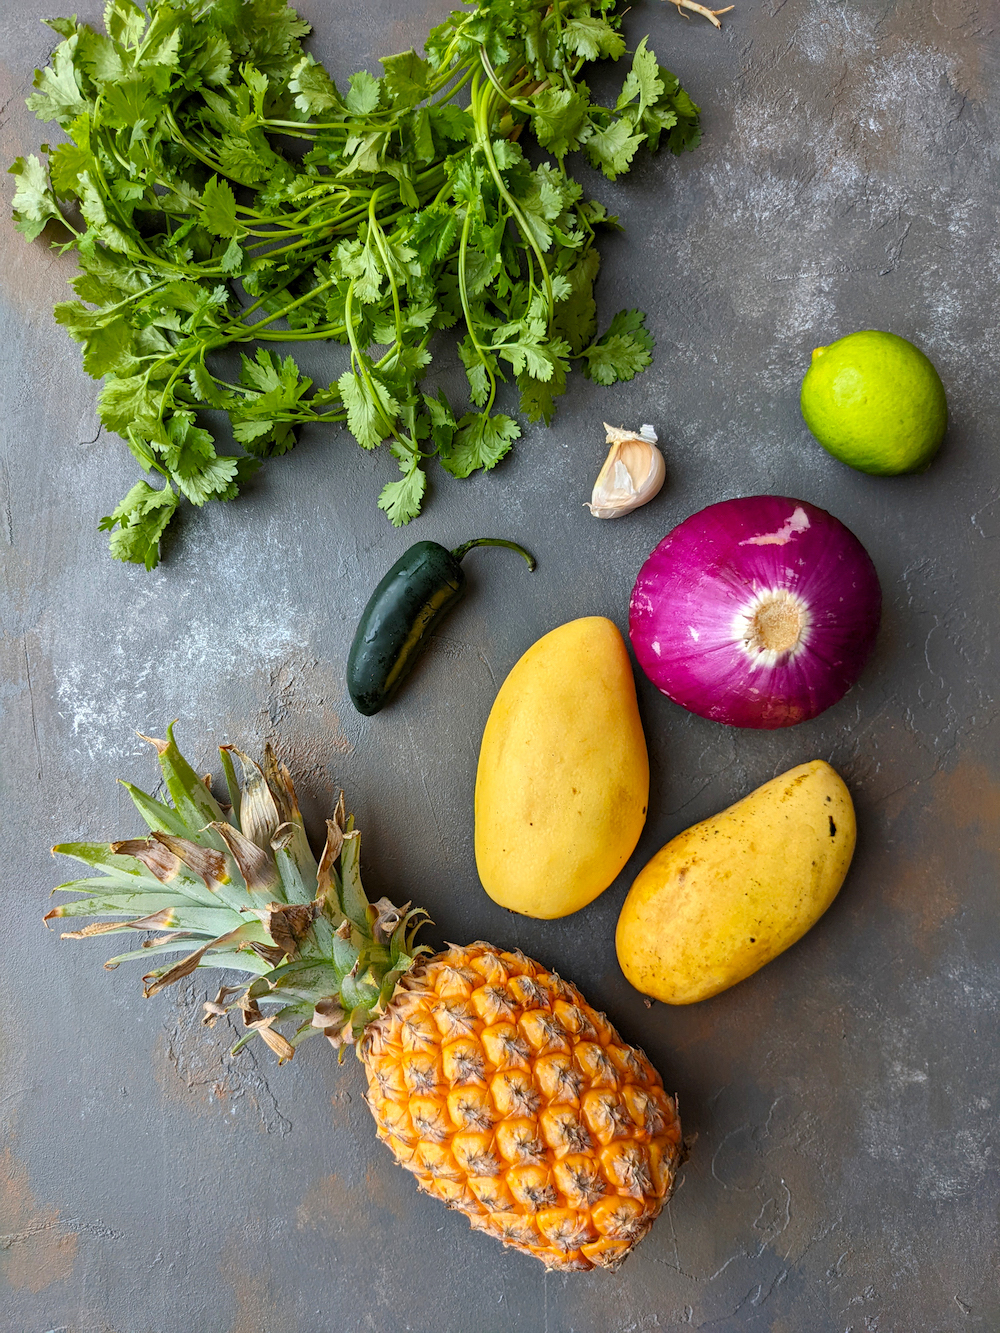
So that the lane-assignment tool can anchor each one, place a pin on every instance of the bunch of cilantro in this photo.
(221, 191)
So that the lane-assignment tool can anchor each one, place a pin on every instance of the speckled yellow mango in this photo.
(563, 780)
(728, 895)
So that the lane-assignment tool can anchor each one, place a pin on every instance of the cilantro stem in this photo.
(455, 88)
(135, 296)
(167, 397)
(358, 363)
(295, 335)
(504, 92)
(293, 305)
(482, 122)
(375, 230)
(467, 309)
(195, 152)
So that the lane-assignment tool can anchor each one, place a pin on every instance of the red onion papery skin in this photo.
(683, 615)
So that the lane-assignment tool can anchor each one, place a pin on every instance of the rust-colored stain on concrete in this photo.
(927, 892)
(35, 1251)
(387, 1187)
(928, 888)
(959, 36)
(327, 1204)
(257, 1308)
(333, 1203)
(969, 798)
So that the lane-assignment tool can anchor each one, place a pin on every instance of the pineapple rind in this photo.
(513, 1101)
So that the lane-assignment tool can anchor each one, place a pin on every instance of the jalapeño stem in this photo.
(460, 552)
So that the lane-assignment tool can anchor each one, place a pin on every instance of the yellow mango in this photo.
(563, 779)
(729, 894)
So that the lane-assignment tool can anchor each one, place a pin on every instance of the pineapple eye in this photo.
(577, 1138)
(483, 1164)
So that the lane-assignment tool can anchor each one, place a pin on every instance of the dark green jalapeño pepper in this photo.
(420, 589)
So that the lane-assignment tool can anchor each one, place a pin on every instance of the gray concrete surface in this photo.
(845, 1100)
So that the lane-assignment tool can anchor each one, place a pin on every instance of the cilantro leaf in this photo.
(442, 420)
(107, 338)
(219, 208)
(182, 445)
(315, 92)
(615, 358)
(34, 202)
(126, 401)
(477, 370)
(686, 134)
(538, 355)
(370, 411)
(267, 32)
(363, 265)
(210, 63)
(642, 82)
(215, 478)
(400, 500)
(538, 397)
(66, 162)
(575, 316)
(653, 101)
(125, 22)
(480, 441)
(560, 119)
(593, 38)
(203, 385)
(365, 94)
(265, 424)
(269, 373)
(131, 104)
(232, 258)
(622, 352)
(59, 97)
(406, 79)
(140, 519)
(613, 148)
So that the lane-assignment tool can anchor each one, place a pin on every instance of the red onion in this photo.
(758, 612)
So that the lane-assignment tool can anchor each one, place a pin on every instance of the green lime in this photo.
(874, 401)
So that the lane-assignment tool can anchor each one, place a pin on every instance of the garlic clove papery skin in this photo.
(633, 473)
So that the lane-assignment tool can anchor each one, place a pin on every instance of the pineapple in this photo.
(490, 1079)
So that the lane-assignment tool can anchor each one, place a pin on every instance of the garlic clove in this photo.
(632, 474)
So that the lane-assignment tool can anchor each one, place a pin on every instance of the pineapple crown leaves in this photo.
(237, 886)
